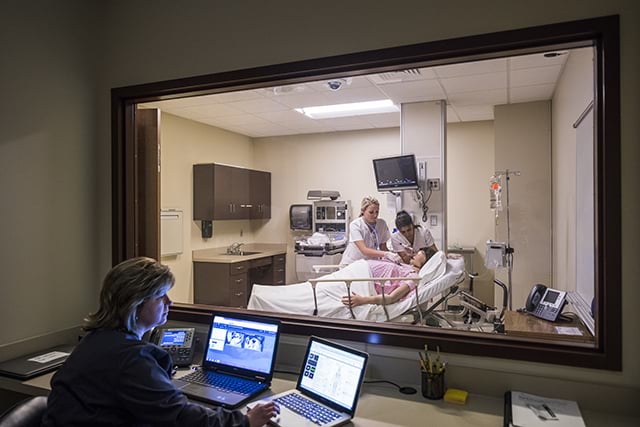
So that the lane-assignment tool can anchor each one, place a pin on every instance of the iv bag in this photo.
(495, 193)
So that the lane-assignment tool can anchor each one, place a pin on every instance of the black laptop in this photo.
(238, 363)
(35, 364)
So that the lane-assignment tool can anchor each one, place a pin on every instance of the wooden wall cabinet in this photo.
(260, 194)
(223, 192)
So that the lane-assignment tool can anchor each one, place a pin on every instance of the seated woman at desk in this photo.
(368, 235)
(396, 290)
(410, 237)
(114, 378)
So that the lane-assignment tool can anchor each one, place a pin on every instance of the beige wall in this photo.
(49, 84)
(184, 143)
(573, 94)
(50, 240)
(470, 222)
(523, 143)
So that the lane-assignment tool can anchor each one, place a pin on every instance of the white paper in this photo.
(568, 330)
(567, 411)
(48, 357)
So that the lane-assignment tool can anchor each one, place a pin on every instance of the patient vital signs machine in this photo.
(327, 220)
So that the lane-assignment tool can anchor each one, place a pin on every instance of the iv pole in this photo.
(509, 250)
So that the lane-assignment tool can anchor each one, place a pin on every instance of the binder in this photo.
(522, 410)
(508, 416)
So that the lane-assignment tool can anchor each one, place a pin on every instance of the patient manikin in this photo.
(325, 297)
(396, 290)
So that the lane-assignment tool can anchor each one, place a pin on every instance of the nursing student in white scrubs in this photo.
(409, 238)
(368, 235)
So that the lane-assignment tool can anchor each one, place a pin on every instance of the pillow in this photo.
(433, 268)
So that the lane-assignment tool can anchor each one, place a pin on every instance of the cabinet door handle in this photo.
(280, 270)
(248, 206)
(238, 268)
(239, 294)
(238, 280)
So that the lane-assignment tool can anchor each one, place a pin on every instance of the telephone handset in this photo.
(178, 342)
(545, 303)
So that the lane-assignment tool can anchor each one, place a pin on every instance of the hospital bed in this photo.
(322, 296)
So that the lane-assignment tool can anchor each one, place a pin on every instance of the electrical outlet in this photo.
(434, 184)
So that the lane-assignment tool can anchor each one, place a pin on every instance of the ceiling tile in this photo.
(243, 120)
(345, 96)
(304, 100)
(534, 61)
(535, 76)
(475, 82)
(283, 116)
(384, 120)
(531, 93)
(490, 97)
(261, 105)
(471, 68)
(243, 95)
(211, 110)
(421, 90)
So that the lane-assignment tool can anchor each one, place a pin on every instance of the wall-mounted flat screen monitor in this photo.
(396, 173)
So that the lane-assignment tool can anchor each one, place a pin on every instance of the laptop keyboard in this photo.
(224, 382)
(309, 409)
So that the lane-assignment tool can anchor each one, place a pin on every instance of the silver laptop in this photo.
(328, 387)
(238, 363)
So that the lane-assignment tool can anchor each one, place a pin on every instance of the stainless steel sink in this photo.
(243, 253)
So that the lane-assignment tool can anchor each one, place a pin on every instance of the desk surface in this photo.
(529, 326)
(381, 405)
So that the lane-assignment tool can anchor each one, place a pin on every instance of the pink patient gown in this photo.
(391, 269)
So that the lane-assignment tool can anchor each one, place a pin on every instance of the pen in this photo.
(545, 406)
(422, 362)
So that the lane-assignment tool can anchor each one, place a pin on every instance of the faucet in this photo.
(234, 249)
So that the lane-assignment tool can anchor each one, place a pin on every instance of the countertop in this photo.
(383, 406)
(219, 255)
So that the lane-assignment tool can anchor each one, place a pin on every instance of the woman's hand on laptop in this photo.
(260, 414)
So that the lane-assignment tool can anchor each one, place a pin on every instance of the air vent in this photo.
(396, 76)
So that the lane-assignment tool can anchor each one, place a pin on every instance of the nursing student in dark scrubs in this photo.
(113, 378)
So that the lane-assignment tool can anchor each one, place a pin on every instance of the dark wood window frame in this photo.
(602, 33)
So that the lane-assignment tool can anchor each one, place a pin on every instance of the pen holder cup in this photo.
(433, 385)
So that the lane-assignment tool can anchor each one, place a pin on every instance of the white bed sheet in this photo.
(298, 298)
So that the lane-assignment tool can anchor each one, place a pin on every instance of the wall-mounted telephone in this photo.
(545, 303)
(178, 342)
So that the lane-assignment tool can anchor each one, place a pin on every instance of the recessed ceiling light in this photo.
(348, 110)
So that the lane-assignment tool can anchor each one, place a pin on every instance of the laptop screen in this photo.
(243, 343)
(333, 373)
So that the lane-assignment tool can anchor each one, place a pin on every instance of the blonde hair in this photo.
(366, 202)
(125, 288)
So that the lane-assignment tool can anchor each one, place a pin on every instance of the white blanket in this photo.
(298, 298)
